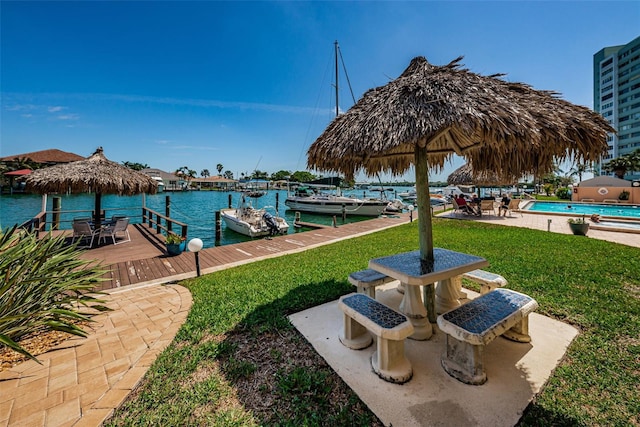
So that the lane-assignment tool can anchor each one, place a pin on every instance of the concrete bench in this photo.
(488, 281)
(363, 314)
(367, 280)
(471, 326)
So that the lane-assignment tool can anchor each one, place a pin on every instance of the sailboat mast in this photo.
(336, 53)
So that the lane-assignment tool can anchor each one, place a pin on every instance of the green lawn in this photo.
(238, 361)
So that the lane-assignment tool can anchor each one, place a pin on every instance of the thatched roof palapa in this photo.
(96, 175)
(431, 112)
(465, 175)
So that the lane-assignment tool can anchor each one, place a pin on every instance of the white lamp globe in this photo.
(194, 245)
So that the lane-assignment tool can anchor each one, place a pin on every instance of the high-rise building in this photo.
(616, 95)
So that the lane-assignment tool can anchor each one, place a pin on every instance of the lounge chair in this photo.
(111, 230)
(487, 205)
(82, 230)
(514, 205)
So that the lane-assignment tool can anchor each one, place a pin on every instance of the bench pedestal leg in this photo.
(368, 291)
(486, 288)
(354, 335)
(519, 332)
(464, 362)
(400, 287)
(457, 284)
(446, 296)
(413, 307)
(390, 363)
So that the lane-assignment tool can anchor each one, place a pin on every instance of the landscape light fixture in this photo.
(194, 246)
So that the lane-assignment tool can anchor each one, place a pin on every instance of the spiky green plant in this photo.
(44, 286)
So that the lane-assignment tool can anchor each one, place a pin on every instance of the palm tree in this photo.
(579, 170)
(619, 166)
(219, 167)
(205, 173)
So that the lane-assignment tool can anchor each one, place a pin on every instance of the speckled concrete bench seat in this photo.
(363, 314)
(471, 326)
(488, 281)
(367, 280)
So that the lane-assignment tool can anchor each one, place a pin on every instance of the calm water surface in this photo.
(194, 208)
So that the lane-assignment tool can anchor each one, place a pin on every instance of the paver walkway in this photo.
(85, 379)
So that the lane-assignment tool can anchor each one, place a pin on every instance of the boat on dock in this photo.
(252, 222)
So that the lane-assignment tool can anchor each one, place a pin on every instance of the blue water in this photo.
(194, 208)
(626, 211)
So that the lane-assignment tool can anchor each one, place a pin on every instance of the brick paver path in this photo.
(83, 380)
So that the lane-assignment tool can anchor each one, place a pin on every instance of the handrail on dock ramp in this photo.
(155, 219)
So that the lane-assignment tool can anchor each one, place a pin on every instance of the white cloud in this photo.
(55, 109)
(68, 117)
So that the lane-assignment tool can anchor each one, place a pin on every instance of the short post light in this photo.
(194, 246)
(411, 208)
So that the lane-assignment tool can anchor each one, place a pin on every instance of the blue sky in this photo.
(248, 84)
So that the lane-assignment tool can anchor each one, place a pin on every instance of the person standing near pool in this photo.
(504, 205)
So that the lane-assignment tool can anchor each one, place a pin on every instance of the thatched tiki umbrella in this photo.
(430, 112)
(96, 174)
(466, 175)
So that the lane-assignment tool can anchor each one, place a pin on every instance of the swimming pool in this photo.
(572, 208)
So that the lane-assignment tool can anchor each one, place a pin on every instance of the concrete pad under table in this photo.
(515, 371)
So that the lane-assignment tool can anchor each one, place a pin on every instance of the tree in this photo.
(580, 170)
(302, 176)
(228, 174)
(280, 175)
(618, 166)
(205, 173)
(258, 174)
(185, 173)
(135, 165)
(219, 167)
(635, 160)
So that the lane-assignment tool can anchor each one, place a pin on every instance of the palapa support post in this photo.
(97, 220)
(424, 204)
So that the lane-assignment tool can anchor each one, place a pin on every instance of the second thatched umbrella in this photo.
(466, 175)
(95, 174)
(431, 112)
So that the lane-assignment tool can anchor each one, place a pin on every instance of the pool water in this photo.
(623, 211)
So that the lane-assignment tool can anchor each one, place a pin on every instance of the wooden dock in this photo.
(143, 260)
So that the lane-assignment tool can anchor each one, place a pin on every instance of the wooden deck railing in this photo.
(162, 222)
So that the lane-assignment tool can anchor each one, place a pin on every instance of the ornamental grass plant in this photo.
(44, 286)
(237, 361)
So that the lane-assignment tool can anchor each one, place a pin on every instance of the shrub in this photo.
(44, 287)
(563, 193)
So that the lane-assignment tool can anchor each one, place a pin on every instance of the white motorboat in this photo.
(160, 182)
(312, 198)
(253, 222)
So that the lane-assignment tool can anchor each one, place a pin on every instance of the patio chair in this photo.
(456, 207)
(487, 205)
(115, 218)
(514, 205)
(111, 230)
(82, 230)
